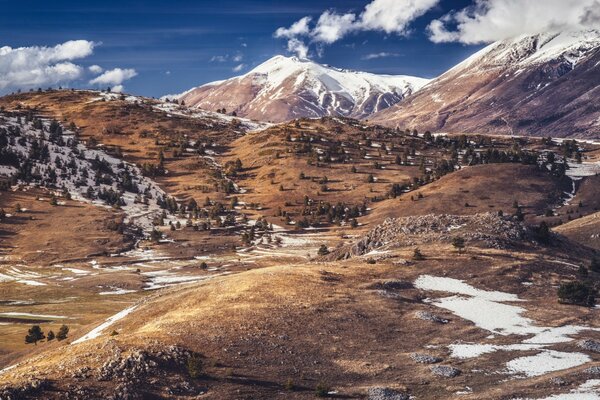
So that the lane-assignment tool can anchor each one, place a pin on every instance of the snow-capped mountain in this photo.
(285, 88)
(544, 84)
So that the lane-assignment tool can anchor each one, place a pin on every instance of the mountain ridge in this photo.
(530, 85)
(285, 88)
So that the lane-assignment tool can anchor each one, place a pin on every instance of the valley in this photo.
(223, 257)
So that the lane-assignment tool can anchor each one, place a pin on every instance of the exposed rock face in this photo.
(541, 85)
(489, 228)
(285, 88)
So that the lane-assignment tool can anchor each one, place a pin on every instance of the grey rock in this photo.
(425, 358)
(427, 316)
(445, 371)
(383, 393)
(589, 345)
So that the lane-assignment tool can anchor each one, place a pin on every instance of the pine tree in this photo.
(50, 336)
(458, 243)
(63, 332)
(34, 335)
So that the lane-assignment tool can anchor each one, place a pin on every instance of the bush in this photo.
(577, 293)
(458, 243)
(322, 390)
(323, 250)
(194, 366)
(417, 255)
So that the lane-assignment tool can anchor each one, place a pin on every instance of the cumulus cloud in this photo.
(490, 20)
(27, 67)
(95, 69)
(383, 54)
(298, 28)
(389, 16)
(298, 47)
(117, 89)
(393, 16)
(114, 77)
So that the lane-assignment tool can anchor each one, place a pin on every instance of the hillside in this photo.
(286, 88)
(538, 85)
(205, 259)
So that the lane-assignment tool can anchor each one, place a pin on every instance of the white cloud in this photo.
(25, 67)
(117, 89)
(219, 58)
(490, 20)
(331, 27)
(297, 46)
(390, 16)
(238, 68)
(383, 54)
(114, 77)
(298, 28)
(394, 16)
(238, 58)
(95, 69)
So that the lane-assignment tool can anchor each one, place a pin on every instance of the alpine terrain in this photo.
(300, 231)
(284, 88)
(544, 84)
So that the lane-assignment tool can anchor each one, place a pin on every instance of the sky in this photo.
(153, 48)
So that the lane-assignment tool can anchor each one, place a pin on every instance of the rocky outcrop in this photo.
(489, 228)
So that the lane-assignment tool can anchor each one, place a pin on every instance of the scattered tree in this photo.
(63, 332)
(458, 243)
(34, 335)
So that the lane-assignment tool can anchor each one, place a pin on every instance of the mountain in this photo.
(543, 85)
(285, 88)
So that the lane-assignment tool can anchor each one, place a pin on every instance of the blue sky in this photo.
(173, 46)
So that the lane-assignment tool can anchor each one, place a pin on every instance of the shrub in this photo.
(417, 255)
(63, 332)
(323, 250)
(194, 366)
(322, 390)
(289, 385)
(577, 293)
(458, 243)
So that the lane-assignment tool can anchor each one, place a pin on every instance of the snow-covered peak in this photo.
(283, 88)
(531, 50)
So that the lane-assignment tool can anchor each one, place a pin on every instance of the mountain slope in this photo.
(541, 84)
(285, 88)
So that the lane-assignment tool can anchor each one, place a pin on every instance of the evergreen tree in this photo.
(34, 335)
(63, 332)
